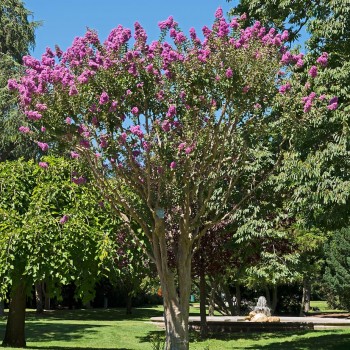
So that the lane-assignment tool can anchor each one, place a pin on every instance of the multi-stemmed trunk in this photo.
(14, 335)
(176, 298)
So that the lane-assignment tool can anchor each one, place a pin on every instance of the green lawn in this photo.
(323, 306)
(112, 329)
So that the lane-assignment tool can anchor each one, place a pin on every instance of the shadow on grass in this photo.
(326, 340)
(117, 314)
(70, 348)
(41, 332)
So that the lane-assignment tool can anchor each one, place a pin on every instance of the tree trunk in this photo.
(274, 299)
(39, 297)
(47, 297)
(14, 335)
(2, 308)
(176, 305)
(238, 299)
(268, 296)
(203, 298)
(212, 298)
(128, 304)
(305, 302)
(228, 299)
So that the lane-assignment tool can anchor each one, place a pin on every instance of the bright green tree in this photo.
(51, 230)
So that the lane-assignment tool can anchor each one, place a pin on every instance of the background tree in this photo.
(337, 276)
(17, 37)
(51, 230)
(181, 126)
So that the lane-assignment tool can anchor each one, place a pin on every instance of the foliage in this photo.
(316, 171)
(50, 228)
(337, 276)
(16, 38)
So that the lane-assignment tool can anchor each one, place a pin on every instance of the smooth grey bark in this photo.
(47, 297)
(15, 333)
(176, 301)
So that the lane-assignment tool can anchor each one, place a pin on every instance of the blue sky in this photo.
(65, 19)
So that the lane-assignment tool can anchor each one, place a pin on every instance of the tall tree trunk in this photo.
(238, 299)
(176, 305)
(268, 296)
(47, 297)
(2, 308)
(15, 335)
(274, 299)
(305, 302)
(39, 295)
(228, 297)
(128, 304)
(203, 298)
(212, 297)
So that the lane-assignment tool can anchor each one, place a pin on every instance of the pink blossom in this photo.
(73, 90)
(322, 97)
(246, 89)
(43, 165)
(172, 165)
(68, 121)
(136, 130)
(243, 16)
(181, 146)
(284, 88)
(84, 143)
(313, 71)
(24, 129)
(33, 115)
(64, 219)
(146, 145)
(257, 106)
(44, 146)
(218, 13)
(41, 107)
(12, 84)
(104, 98)
(122, 138)
(285, 35)
(188, 150)
(323, 59)
(166, 126)
(43, 129)
(79, 180)
(333, 104)
(74, 155)
(229, 73)
(171, 112)
(135, 111)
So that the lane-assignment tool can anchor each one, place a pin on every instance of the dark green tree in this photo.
(337, 272)
(17, 37)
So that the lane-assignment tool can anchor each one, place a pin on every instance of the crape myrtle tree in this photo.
(185, 126)
(51, 230)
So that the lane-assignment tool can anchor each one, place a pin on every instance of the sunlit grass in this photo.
(113, 329)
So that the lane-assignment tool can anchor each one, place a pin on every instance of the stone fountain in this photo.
(261, 312)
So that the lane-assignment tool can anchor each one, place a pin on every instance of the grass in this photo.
(323, 307)
(112, 329)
